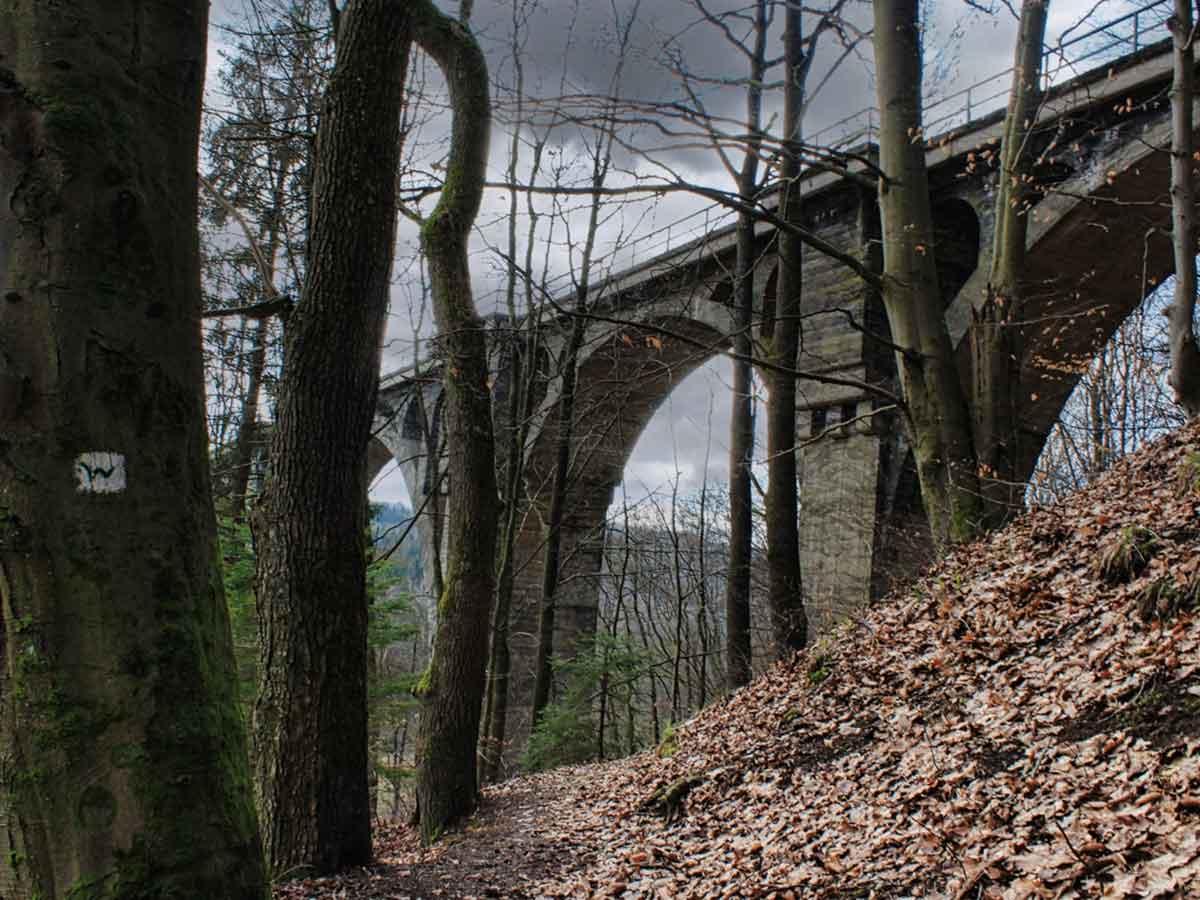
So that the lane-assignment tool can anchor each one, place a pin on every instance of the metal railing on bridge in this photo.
(1071, 55)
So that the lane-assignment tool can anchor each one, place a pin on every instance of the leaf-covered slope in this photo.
(1010, 727)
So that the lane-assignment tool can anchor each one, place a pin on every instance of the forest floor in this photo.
(1023, 721)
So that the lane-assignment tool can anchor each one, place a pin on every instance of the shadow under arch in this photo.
(1092, 260)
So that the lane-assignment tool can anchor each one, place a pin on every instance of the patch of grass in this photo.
(1125, 554)
(819, 669)
(669, 745)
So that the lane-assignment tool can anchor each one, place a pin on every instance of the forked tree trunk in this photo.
(938, 416)
(785, 594)
(310, 526)
(447, 784)
(124, 764)
(1184, 376)
(996, 332)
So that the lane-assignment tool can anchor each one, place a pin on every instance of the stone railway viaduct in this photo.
(1098, 243)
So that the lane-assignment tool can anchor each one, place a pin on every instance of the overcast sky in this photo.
(573, 48)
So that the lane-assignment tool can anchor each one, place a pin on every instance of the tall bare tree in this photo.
(601, 153)
(258, 145)
(753, 48)
(310, 525)
(785, 592)
(524, 350)
(939, 418)
(1185, 355)
(996, 345)
(122, 754)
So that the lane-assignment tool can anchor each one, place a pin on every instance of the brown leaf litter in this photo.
(1022, 722)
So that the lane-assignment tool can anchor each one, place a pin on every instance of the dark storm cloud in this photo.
(573, 48)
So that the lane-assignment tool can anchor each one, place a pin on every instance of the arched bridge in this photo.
(1098, 244)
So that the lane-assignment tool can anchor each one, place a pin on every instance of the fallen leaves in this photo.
(1010, 727)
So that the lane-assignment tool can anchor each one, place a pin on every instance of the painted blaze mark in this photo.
(100, 472)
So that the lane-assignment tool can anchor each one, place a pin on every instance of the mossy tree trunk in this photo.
(123, 767)
(938, 414)
(310, 717)
(447, 784)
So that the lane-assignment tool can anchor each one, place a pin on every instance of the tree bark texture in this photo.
(1184, 376)
(784, 591)
(938, 416)
(741, 419)
(996, 332)
(310, 524)
(123, 768)
(453, 689)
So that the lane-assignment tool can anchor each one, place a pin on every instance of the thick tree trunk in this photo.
(784, 591)
(310, 526)
(939, 419)
(741, 420)
(996, 333)
(124, 765)
(447, 784)
(1184, 376)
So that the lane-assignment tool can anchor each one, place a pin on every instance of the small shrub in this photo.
(1126, 554)
(567, 730)
(564, 734)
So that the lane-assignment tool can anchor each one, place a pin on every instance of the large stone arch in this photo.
(623, 380)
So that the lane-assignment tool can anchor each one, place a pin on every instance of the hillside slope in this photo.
(1023, 722)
